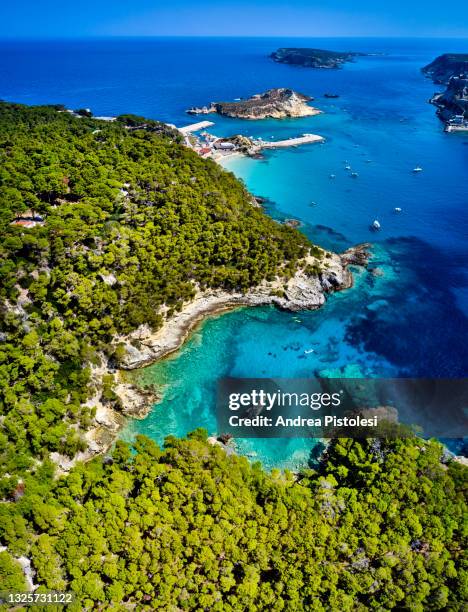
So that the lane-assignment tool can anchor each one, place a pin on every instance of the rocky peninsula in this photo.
(444, 67)
(319, 274)
(313, 58)
(276, 103)
(452, 104)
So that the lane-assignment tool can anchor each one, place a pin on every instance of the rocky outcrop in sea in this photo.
(313, 58)
(274, 104)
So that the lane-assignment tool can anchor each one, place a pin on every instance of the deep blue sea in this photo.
(412, 321)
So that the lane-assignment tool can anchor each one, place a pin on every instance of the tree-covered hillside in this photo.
(378, 526)
(100, 225)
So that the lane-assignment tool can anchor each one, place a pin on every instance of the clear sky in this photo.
(52, 18)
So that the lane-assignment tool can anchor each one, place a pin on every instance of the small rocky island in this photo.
(451, 69)
(273, 104)
(313, 58)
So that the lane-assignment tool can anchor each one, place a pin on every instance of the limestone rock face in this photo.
(274, 103)
(304, 291)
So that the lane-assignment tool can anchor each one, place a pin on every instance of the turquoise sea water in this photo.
(412, 321)
(262, 342)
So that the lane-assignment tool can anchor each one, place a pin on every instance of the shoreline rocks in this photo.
(451, 69)
(302, 292)
(273, 104)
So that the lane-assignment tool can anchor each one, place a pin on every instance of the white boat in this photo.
(347, 167)
(332, 175)
(397, 209)
(417, 169)
(308, 351)
(375, 225)
(354, 174)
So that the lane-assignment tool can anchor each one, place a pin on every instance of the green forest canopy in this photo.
(131, 220)
(377, 526)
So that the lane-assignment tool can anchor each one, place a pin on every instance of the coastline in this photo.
(144, 346)
(308, 522)
(275, 103)
(301, 292)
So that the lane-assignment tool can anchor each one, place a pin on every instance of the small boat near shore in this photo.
(375, 225)
(397, 209)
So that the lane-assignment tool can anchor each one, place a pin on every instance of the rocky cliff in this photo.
(445, 66)
(452, 104)
(306, 290)
(274, 103)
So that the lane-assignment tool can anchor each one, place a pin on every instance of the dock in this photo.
(195, 127)
(292, 142)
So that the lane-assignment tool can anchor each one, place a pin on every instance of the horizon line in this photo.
(213, 36)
